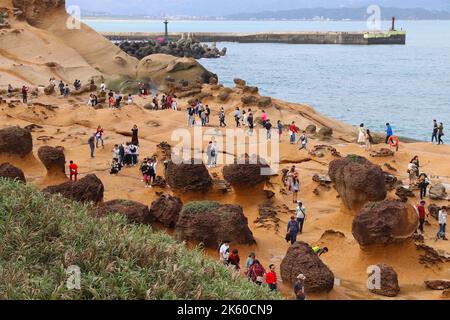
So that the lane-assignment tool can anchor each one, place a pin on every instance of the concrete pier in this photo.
(350, 38)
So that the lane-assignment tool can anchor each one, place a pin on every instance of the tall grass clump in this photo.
(41, 236)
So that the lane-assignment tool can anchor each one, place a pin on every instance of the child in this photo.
(304, 140)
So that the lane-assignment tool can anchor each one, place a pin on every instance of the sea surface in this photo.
(408, 86)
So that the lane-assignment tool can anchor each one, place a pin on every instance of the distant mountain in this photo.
(219, 8)
(343, 14)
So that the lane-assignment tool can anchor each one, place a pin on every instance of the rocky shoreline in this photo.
(185, 47)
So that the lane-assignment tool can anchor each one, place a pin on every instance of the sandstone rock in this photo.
(49, 90)
(438, 192)
(433, 209)
(357, 181)
(264, 102)
(383, 152)
(246, 171)
(166, 210)
(384, 222)
(311, 129)
(240, 83)
(134, 211)
(188, 177)
(300, 259)
(87, 189)
(8, 171)
(211, 223)
(251, 90)
(52, 158)
(249, 100)
(389, 282)
(223, 96)
(404, 193)
(391, 181)
(325, 132)
(16, 141)
(438, 284)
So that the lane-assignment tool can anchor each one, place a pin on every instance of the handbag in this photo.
(259, 279)
(288, 237)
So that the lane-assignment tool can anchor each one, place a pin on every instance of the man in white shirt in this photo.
(301, 215)
(225, 252)
(442, 223)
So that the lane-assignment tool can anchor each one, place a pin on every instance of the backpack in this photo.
(133, 149)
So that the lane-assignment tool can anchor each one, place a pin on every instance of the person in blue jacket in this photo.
(389, 132)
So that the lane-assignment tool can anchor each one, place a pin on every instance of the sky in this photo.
(226, 7)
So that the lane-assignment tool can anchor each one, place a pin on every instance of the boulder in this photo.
(438, 192)
(404, 193)
(391, 181)
(16, 141)
(88, 189)
(188, 177)
(249, 100)
(134, 211)
(301, 259)
(388, 285)
(325, 132)
(433, 209)
(240, 83)
(264, 102)
(251, 90)
(49, 90)
(223, 96)
(211, 223)
(166, 210)
(384, 222)
(438, 284)
(52, 158)
(8, 171)
(357, 181)
(246, 171)
(383, 152)
(311, 129)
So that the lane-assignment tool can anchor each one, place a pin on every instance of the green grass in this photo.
(199, 207)
(41, 236)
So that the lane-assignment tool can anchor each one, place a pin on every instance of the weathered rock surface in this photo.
(8, 171)
(388, 285)
(188, 177)
(211, 223)
(384, 222)
(166, 210)
(300, 259)
(16, 141)
(246, 171)
(88, 189)
(134, 211)
(357, 181)
(438, 192)
(53, 159)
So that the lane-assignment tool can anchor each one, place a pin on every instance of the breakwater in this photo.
(316, 37)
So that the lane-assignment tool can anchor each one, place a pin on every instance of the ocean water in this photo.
(408, 86)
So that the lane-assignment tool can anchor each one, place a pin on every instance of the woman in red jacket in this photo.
(271, 278)
(256, 272)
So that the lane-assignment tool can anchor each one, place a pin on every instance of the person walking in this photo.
(121, 154)
(421, 212)
(211, 153)
(61, 87)
(423, 183)
(369, 140)
(271, 278)
(299, 288)
(389, 133)
(237, 117)
(135, 135)
(361, 134)
(99, 136)
(264, 118)
(292, 230)
(91, 143)
(303, 141)
(440, 133)
(73, 171)
(225, 252)
(25, 90)
(412, 172)
(66, 90)
(295, 187)
(207, 114)
(268, 127)
(222, 118)
(301, 216)
(280, 127)
(257, 272)
(442, 218)
(250, 122)
(292, 131)
(244, 118)
(434, 135)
